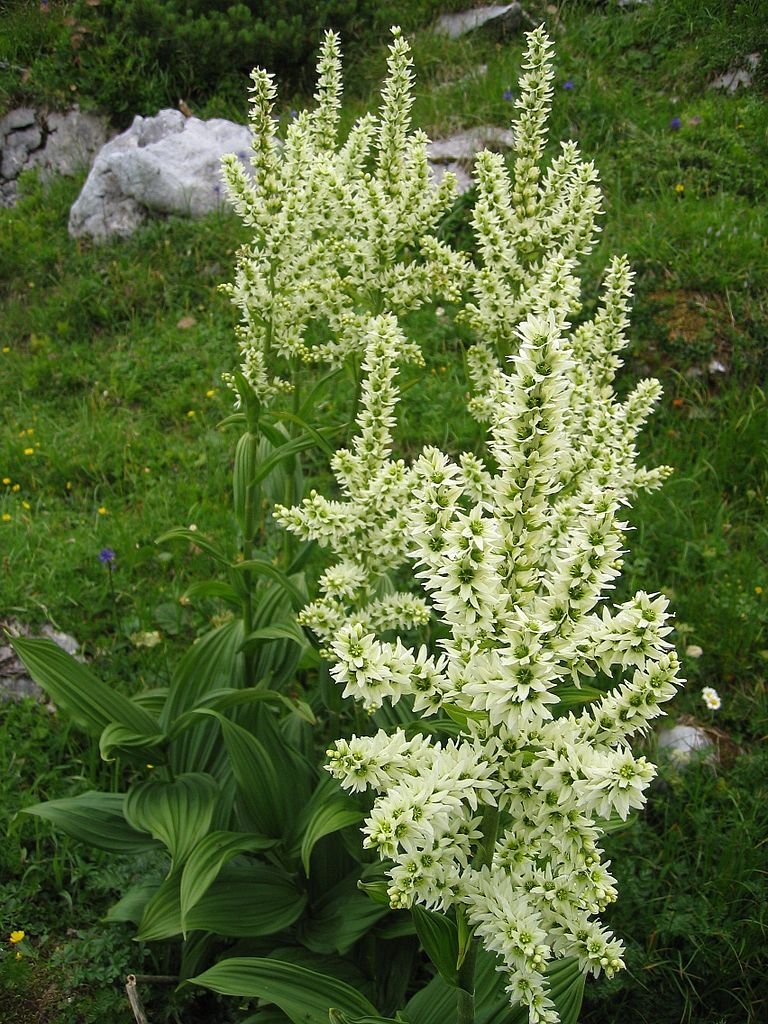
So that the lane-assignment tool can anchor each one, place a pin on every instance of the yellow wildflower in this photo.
(6, 517)
(210, 393)
(26, 505)
(190, 414)
(17, 937)
(16, 488)
(29, 451)
(6, 480)
(679, 188)
(102, 511)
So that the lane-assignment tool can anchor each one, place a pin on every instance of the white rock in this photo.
(166, 164)
(502, 18)
(457, 152)
(73, 140)
(682, 742)
(737, 77)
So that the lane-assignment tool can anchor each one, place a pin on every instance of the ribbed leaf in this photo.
(243, 482)
(73, 686)
(132, 906)
(193, 537)
(95, 819)
(262, 566)
(439, 936)
(339, 1017)
(117, 737)
(258, 781)
(162, 913)
(207, 859)
(303, 995)
(336, 922)
(178, 813)
(324, 821)
(287, 451)
(213, 588)
(248, 902)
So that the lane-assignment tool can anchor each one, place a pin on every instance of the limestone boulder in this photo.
(498, 19)
(53, 143)
(457, 152)
(167, 164)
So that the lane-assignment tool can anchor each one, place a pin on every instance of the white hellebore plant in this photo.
(493, 808)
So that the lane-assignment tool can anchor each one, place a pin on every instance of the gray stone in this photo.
(73, 140)
(14, 159)
(501, 19)
(50, 142)
(737, 77)
(15, 683)
(22, 117)
(457, 152)
(683, 742)
(166, 164)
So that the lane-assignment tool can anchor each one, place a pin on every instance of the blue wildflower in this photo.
(568, 84)
(675, 124)
(107, 556)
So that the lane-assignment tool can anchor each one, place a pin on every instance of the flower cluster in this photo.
(340, 231)
(538, 684)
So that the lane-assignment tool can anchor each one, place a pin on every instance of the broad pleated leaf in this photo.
(439, 936)
(72, 686)
(248, 902)
(119, 738)
(178, 813)
(193, 537)
(257, 779)
(338, 921)
(303, 995)
(324, 821)
(95, 819)
(207, 859)
(162, 913)
(261, 565)
(132, 906)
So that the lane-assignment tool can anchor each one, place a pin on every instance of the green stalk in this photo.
(465, 999)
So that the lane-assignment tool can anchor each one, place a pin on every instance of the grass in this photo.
(106, 351)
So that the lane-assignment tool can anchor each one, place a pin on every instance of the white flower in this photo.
(711, 698)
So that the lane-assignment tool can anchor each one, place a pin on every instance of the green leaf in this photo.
(289, 630)
(213, 588)
(573, 695)
(121, 738)
(207, 859)
(243, 483)
(340, 918)
(74, 687)
(262, 566)
(325, 820)
(211, 663)
(258, 781)
(439, 936)
(288, 417)
(162, 913)
(288, 450)
(132, 906)
(95, 819)
(303, 995)
(339, 1017)
(248, 902)
(193, 537)
(178, 813)
(376, 891)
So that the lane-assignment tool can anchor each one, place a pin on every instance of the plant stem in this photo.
(465, 999)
